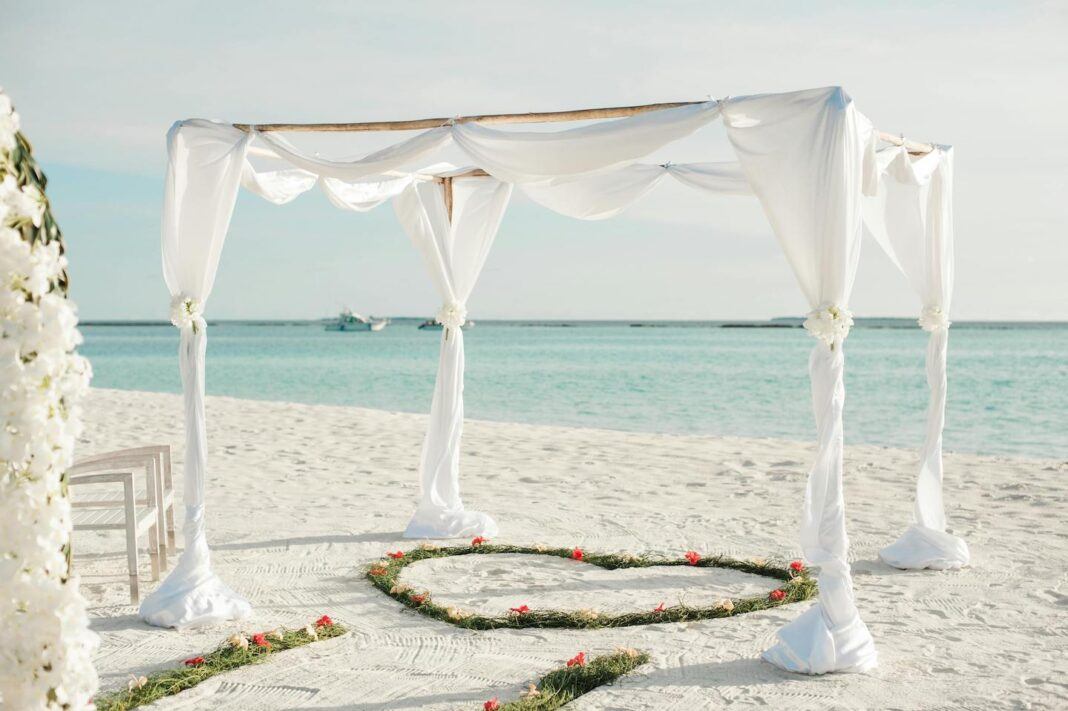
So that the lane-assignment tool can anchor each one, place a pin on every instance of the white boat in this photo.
(349, 320)
(431, 324)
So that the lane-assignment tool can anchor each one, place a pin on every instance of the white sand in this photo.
(301, 497)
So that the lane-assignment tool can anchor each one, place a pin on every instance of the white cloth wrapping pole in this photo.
(911, 217)
(454, 252)
(530, 156)
(607, 193)
(805, 155)
(205, 164)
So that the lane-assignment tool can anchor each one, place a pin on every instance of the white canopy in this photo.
(808, 156)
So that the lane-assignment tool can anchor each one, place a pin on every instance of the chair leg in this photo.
(131, 539)
(155, 472)
(170, 528)
(154, 549)
(168, 483)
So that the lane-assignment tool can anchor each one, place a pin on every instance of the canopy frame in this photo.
(810, 157)
(913, 147)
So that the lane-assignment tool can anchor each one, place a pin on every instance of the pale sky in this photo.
(98, 84)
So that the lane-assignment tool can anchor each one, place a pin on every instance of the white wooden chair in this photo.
(158, 457)
(136, 521)
(140, 510)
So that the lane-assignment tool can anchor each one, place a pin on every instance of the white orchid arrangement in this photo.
(46, 655)
(932, 318)
(829, 323)
(452, 315)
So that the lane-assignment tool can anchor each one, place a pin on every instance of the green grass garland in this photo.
(568, 683)
(796, 586)
(225, 658)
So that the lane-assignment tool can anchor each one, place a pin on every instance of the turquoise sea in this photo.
(1008, 383)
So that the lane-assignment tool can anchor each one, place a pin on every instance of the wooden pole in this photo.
(420, 124)
(447, 185)
(533, 117)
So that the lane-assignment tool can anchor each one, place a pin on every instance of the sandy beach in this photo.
(302, 497)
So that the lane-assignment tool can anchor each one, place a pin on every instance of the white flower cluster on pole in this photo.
(452, 315)
(829, 323)
(933, 318)
(45, 643)
(186, 312)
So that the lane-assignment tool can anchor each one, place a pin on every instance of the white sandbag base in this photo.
(920, 547)
(443, 523)
(809, 646)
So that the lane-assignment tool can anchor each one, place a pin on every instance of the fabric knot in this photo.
(932, 318)
(830, 323)
(452, 315)
(187, 312)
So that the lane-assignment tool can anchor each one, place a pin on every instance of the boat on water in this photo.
(349, 320)
(431, 324)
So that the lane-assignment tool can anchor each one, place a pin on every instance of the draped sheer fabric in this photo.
(910, 217)
(607, 193)
(528, 156)
(807, 156)
(388, 159)
(454, 252)
(205, 164)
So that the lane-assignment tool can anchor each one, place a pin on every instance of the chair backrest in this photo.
(163, 450)
(96, 464)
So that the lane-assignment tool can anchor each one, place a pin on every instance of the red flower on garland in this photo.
(659, 608)
(324, 621)
(797, 566)
(577, 554)
(692, 557)
(777, 595)
(521, 610)
(579, 660)
(491, 705)
(194, 661)
(260, 640)
(418, 599)
(475, 543)
(395, 555)
(377, 570)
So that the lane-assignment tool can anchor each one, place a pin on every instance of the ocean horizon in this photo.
(721, 377)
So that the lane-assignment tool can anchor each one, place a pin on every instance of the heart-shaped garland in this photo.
(796, 586)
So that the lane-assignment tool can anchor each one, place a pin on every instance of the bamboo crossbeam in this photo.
(420, 124)
(531, 117)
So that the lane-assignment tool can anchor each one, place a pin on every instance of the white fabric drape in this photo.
(388, 159)
(805, 155)
(205, 165)
(454, 252)
(528, 156)
(911, 217)
(607, 193)
(277, 186)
